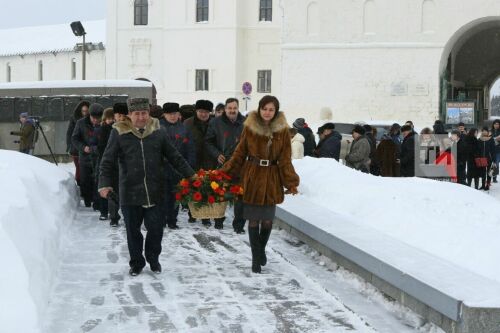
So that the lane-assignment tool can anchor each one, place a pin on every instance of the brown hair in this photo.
(107, 114)
(266, 100)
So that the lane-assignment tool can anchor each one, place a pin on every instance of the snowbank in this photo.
(36, 201)
(449, 221)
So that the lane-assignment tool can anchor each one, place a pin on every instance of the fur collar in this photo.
(257, 126)
(125, 126)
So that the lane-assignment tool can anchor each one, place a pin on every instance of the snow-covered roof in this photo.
(48, 38)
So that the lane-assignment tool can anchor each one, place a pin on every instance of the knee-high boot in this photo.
(253, 235)
(264, 237)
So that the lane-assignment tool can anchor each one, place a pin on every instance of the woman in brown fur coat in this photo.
(263, 159)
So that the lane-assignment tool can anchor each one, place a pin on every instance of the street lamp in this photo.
(78, 30)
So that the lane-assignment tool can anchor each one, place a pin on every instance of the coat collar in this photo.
(125, 126)
(255, 124)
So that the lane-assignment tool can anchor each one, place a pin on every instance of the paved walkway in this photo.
(206, 286)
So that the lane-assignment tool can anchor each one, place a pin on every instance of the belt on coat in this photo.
(264, 163)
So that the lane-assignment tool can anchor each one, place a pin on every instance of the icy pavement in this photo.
(207, 286)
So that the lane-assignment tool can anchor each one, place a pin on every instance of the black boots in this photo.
(219, 224)
(254, 237)
(264, 237)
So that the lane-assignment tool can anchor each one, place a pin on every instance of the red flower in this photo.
(197, 196)
(177, 136)
(235, 189)
(184, 183)
(197, 183)
(185, 191)
(178, 196)
(211, 199)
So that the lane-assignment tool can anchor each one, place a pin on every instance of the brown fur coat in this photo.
(264, 185)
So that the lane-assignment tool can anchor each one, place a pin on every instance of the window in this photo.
(264, 81)
(266, 10)
(201, 79)
(9, 73)
(73, 69)
(40, 70)
(141, 12)
(201, 10)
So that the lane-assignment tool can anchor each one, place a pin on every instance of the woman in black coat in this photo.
(472, 150)
(486, 148)
(81, 110)
(495, 134)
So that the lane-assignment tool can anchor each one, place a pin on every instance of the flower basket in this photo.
(211, 211)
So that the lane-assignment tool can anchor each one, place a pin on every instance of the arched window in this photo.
(369, 17)
(9, 73)
(40, 70)
(141, 12)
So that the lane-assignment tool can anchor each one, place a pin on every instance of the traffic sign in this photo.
(247, 88)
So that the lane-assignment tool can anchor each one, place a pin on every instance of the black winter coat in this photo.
(472, 149)
(223, 136)
(329, 147)
(77, 115)
(142, 160)
(181, 139)
(198, 130)
(494, 134)
(486, 148)
(407, 156)
(86, 134)
(310, 143)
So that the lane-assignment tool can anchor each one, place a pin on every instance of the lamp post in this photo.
(78, 30)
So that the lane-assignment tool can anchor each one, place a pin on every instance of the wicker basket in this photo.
(211, 211)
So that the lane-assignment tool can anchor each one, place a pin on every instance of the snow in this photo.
(48, 38)
(451, 222)
(76, 84)
(36, 204)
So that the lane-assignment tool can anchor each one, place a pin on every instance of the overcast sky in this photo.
(22, 13)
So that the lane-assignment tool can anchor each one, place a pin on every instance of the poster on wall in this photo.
(457, 112)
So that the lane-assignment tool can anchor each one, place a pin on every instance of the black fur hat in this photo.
(204, 105)
(120, 108)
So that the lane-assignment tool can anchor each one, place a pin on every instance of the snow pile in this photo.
(449, 221)
(36, 204)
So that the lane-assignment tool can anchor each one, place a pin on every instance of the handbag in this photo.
(481, 162)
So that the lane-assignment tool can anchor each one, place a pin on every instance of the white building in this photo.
(50, 53)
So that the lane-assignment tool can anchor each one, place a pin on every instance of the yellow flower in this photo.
(214, 185)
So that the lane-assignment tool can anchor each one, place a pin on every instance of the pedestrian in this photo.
(219, 110)
(263, 155)
(460, 148)
(386, 155)
(181, 139)
(221, 139)
(395, 134)
(80, 111)
(438, 128)
(310, 141)
(142, 150)
(472, 148)
(197, 125)
(329, 143)
(85, 139)
(372, 139)
(297, 144)
(462, 130)
(407, 156)
(495, 134)
(359, 154)
(487, 154)
(26, 134)
(156, 111)
(120, 111)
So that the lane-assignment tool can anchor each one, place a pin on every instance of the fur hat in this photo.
(156, 111)
(96, 110)
(299, 123)
(405, 128)
(171, 107)
(120, 108)
(358, 129)
(138, 104)
(328, 126)
(204, 105)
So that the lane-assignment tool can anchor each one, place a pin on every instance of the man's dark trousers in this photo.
(133, 216)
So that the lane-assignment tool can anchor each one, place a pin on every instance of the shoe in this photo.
(219, 225)
(240, 231)
(192, 220)
(134, 271)
(486, 188)
(88, 204)
(113, 223)
(495, 180)
(173, 226)
(103, 217)
(253, 236)
(206, 223)
(155, 267)
(264, 237)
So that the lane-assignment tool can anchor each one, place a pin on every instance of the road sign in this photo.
(247, 88)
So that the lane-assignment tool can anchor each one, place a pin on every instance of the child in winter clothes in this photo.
(297, 144)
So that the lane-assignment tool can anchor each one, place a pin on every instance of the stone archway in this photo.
(470, 64)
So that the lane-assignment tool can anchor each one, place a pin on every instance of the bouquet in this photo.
(207, 193)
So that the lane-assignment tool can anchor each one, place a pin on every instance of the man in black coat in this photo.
(307, 133)
(142, 149)
(461, 159)
(329, 143)
(85, 140)
(222, 137)
(81, 110)
(408, 152)
(181, 139)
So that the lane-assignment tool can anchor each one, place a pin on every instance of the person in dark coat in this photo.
(486, 150)
(307, 133)
(222, 137)
(386, 155)
(407, 156)
(329, 143)
(85, 139)
(374, 168)
(463, 131)
(26, 134)
(142, 150)
(495, 134)
(120, 111)
(461, 150)
(81, 110)
(181, 139)
(472, 148)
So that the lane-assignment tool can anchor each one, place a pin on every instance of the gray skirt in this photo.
(258, 212)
